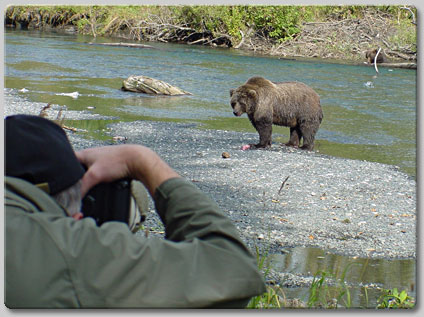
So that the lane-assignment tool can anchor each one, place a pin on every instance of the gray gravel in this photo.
(348, 207)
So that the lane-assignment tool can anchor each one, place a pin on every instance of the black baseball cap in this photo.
(38, 151)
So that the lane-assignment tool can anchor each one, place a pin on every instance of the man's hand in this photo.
(109, 163)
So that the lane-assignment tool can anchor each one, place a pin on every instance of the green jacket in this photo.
(52, 260)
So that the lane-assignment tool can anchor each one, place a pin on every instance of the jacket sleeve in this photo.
(201, 262)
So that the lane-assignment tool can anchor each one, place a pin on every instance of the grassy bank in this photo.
(344, 32)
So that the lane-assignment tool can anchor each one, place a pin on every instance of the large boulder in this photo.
(147, 85)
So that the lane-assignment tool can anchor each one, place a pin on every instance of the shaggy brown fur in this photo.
(289, 104)
(370, 56)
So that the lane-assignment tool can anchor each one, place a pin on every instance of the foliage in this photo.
(270, 298)
(393, 299)
(279, 22)
(406, 35)
(216, 19)
(323, 296)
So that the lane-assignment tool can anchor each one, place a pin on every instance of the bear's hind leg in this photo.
(295, 136)
(307, 146)
(309, 136)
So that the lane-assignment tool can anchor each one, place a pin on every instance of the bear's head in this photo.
(243, 100)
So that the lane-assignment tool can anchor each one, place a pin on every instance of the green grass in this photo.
(271, 298)
(393, 299)
(322, 296)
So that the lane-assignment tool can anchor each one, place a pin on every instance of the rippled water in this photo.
(366, 116)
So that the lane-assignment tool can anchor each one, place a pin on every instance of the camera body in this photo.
(109, 202)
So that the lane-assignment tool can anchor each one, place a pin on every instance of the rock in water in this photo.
(147, 85)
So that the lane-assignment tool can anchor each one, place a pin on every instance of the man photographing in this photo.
(57, 258)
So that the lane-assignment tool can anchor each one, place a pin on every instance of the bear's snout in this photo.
(237, 114)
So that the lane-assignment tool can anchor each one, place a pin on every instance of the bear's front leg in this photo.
(264, 128)
(295, 136)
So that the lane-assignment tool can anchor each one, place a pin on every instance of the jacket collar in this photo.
(31, 198)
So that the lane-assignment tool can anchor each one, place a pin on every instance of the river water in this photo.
(366, 117)
(365, 278)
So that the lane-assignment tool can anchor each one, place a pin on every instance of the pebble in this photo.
(225, 155)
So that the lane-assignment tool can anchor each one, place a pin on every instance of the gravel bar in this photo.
(278, 198)
(349, 207)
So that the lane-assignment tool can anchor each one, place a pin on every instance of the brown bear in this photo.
(370, 56)
(289, 104)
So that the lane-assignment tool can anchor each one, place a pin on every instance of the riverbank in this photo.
(341, 33)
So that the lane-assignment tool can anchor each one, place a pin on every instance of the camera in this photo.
(112, 202)
(108, 202)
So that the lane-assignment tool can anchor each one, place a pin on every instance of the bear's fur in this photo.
(289, 104)
(370, 56)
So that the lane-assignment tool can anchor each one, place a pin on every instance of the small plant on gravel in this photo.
(392, 298)
(321, 295)
(269, 299)
(274, 296)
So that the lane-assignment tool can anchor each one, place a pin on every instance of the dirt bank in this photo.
(341, 39)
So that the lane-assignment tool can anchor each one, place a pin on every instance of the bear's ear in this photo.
(231, 92)
(252, 93)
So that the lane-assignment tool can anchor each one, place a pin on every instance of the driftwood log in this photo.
(400, 65)
(121, 44)
(396, 65)
(147, 85)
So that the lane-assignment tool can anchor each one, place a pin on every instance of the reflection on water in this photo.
(361, 273)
